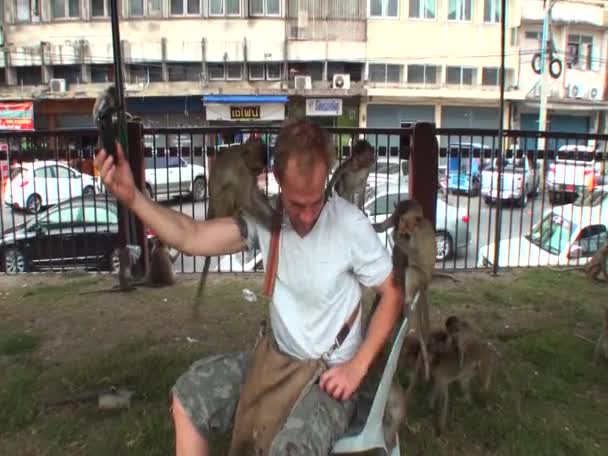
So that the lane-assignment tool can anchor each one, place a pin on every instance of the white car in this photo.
(565, 235)
(171, 176)
(43, 183)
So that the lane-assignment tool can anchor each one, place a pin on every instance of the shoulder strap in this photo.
(273, 255)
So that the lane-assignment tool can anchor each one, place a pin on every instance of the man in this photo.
(328, 249)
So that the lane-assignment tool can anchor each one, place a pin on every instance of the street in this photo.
(515, 222)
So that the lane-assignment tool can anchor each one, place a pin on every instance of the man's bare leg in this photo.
(188, 441)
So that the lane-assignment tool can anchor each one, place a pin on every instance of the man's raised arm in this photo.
(193, 237)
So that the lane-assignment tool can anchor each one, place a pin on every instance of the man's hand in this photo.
(116, 175)
(341, 381)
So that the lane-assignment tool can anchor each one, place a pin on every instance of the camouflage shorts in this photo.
(209, 393)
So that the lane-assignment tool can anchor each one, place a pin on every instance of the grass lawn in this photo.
(55, 341)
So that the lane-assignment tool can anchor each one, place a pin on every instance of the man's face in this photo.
(303, 194)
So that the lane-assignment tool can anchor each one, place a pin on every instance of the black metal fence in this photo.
(541, 201)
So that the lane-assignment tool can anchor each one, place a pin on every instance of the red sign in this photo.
(17, 116)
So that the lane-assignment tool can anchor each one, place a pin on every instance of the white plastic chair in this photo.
(371, 435)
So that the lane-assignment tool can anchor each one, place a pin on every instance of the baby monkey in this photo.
(350, 179)
(461, 334)
(601, 346)
(446, 369)
(160, 271)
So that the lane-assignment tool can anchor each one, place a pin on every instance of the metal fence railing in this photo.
(537, 200)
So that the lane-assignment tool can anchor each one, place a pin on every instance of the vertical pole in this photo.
(423, 167)
(501, 116)
(123, 214)
(135, 131)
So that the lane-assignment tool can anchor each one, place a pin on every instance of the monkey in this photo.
(105, 107)
(598, 263)
(125, 277)
(414, 252)
(446, 369)
(601, 347)
(350, 179)
(461, 334)
(127, 257)
(160, 272)
(390, 222)
(394, 413)
(233, 188)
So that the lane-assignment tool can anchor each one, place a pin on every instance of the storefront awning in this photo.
(231, 99)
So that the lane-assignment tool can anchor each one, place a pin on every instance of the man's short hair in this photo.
(305, 141)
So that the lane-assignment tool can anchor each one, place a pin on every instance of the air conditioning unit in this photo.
(341, 81)
(302, 82)
(57, 85)
(576, 91)
(595, 93)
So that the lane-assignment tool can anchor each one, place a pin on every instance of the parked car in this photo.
(388, 171)
(519, 181)
(43, 183)
(170, 176)
(78, 233)
(568, 178)
(463, 173)
(452, 224)
(565, 235)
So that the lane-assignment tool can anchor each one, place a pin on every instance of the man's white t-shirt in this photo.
(319, 278)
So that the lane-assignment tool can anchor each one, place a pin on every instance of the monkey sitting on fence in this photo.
(350, 179)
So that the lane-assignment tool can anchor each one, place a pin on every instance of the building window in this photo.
(579, 52)
(62, 9)
(459, 10)
(102, 73)
(532, 35)
(100, 8)
(140, 8)
(273, 71)
(216, 71)
(29, 75)
(256, 72)
(491, 11)
(145, 73)
(71, 73)
(423, 9)
(185, 7)
(234, 71)
(265, 7)
(383, 8)
(380, 72)
(422, 74)
(490, 76)
(224, 7)
(461, 75)
(188, 71)
(27, 10)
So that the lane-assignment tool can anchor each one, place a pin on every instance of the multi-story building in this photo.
(374, 63)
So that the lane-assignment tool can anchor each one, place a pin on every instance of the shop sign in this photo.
(17, 116)
(324, 107)
(244, 112)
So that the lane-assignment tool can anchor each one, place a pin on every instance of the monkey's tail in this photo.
(423, 349)
(201, 287)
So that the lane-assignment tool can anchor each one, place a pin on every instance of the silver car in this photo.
(452, 224)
